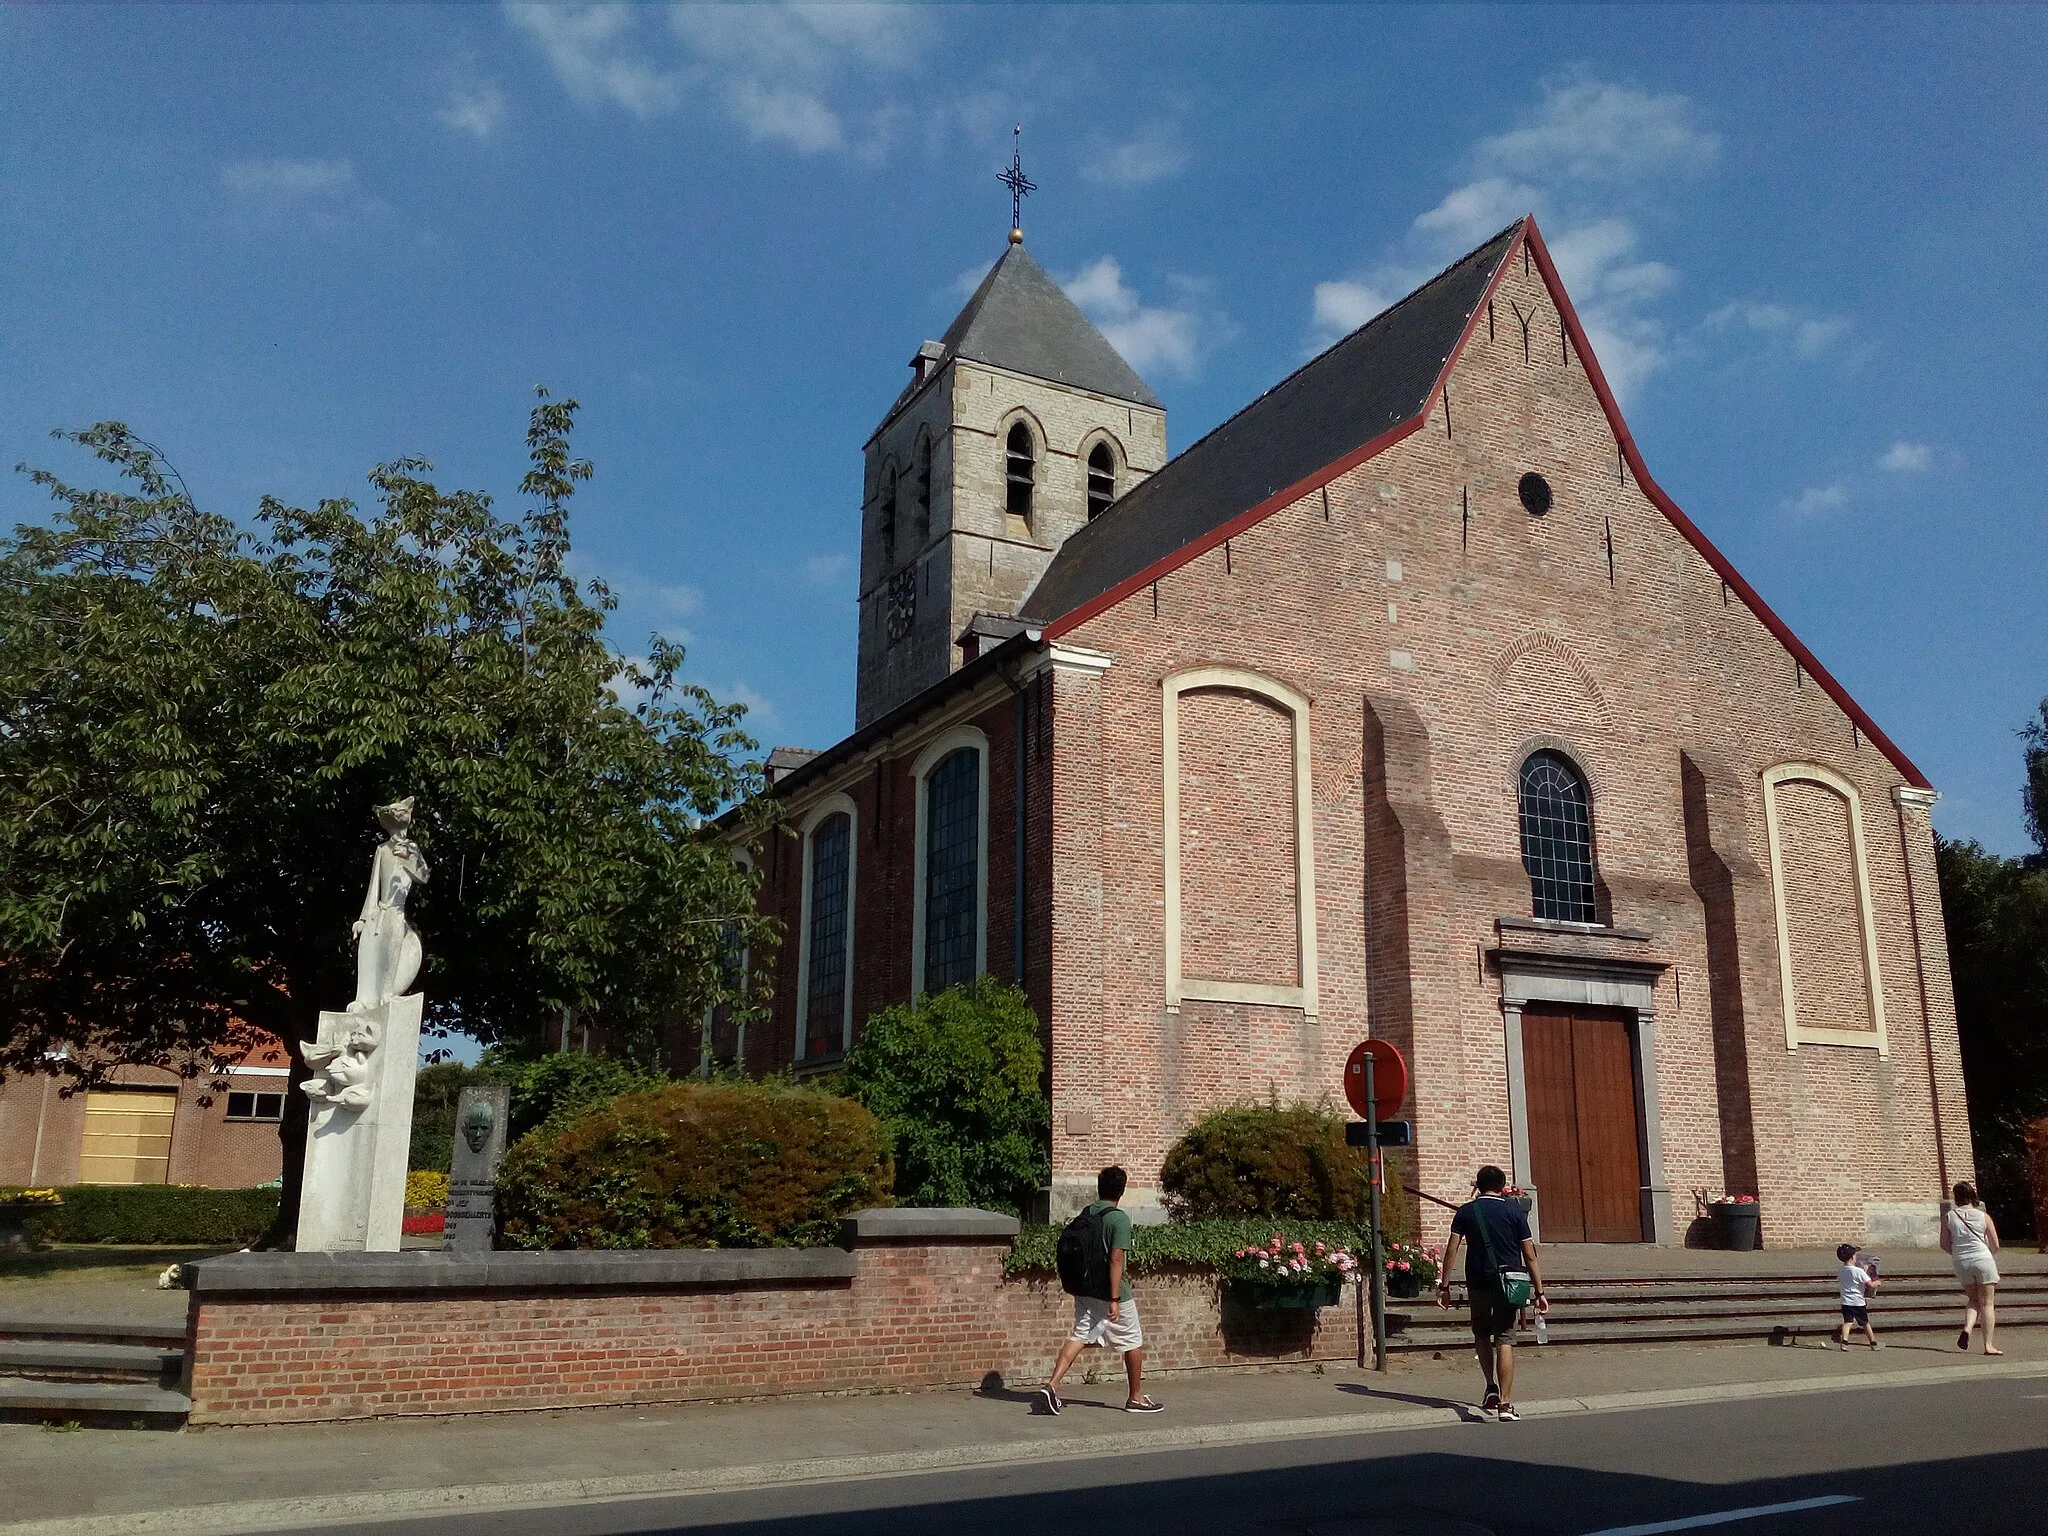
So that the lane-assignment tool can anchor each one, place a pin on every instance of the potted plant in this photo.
(1735, 1221)
(1290, 1274)
(1410, 1269)
(1521, 1197)
(16, 1207)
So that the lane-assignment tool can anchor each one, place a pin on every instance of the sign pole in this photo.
(1379, 1271)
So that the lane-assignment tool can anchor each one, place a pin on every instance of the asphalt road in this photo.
(1970, 1457)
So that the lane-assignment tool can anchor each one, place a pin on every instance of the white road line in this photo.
(1727, 1516)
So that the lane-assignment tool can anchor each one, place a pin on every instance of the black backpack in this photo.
(1083, 1256)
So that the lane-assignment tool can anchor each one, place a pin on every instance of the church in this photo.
(1405, 703)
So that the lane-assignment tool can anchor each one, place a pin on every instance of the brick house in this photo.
(150, 1125)
(1404, 702)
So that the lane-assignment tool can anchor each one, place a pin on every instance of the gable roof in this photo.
(1368, 392)
(1373, 381)
(1020, 320)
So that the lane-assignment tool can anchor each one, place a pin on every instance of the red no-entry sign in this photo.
(1389, 1079)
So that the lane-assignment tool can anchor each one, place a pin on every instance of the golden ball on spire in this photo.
(1016, 236)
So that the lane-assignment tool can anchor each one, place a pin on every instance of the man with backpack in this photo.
(1093, 1256)
(1501, 1278)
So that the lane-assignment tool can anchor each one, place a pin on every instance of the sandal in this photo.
(1963, 1341)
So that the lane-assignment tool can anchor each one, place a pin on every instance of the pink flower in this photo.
(1319, 1247)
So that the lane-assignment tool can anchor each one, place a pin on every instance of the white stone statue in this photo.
(342, 1069)
(387, 949)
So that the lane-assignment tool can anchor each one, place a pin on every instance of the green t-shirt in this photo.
(1116, 1227)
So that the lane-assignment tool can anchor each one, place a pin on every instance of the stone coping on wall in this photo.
(257, 1274)
(912, 1224)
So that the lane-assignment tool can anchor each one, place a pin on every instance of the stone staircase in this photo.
(92, 1371)
(1667, 1305)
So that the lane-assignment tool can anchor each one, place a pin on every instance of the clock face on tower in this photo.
(902, 603)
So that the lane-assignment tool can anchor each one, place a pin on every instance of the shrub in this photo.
(157, 1214)
(553, 1089)
(1192, 1244)
(696, 1165)
(426, 1190)
(1265, 1160)
(958, 1079)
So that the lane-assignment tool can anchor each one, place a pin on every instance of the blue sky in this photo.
(288, 242)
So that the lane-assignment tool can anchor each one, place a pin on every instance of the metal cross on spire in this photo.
(1020, 185)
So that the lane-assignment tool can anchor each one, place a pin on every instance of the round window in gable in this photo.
(1535, 493)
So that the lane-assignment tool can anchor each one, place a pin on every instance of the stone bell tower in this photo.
(1018, 425)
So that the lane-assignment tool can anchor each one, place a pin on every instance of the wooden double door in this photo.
(1585, 1151)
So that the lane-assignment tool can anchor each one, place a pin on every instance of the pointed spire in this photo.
(1020, 185)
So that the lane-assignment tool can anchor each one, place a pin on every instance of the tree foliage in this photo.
(195, 721)
(958, 1078)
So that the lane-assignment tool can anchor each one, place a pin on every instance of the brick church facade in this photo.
(1403, 703)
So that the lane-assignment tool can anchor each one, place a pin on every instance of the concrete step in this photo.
(1431, 1334)
(94, 1330)
(69, 1360)
(92, 1402)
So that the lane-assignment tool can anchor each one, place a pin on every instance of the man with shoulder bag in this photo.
(1502, 1277)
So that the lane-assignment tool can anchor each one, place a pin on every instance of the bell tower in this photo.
(1018, 425)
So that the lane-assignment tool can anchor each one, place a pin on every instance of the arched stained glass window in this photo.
(1021, 462)
(952, 850)
(1557, 838)
(825, 997)
(1101, 480)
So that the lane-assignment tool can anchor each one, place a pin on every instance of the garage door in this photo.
(127, 1137)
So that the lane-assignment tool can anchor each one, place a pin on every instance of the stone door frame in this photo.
(1587, 981)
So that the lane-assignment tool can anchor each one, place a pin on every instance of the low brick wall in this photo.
(914, 1299)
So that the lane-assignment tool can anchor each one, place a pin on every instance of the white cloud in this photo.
(1809, 336)
(1906, 458)
(771, 69)
(968, 281)
(1152, 154)
(759, 709)
(290, 180)
(1342, 307)
(1478, 210)
(1147, 336)
(475, 108)
(1591, 130)
(1818, 499)
(828, 570)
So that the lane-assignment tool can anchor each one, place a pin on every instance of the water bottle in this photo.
(1542, 1329)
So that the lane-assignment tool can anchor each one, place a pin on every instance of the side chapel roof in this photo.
(1372, 381)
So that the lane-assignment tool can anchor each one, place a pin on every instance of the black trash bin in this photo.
(1735, 1224)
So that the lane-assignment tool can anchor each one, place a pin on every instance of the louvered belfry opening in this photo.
(1101, 480)
(1021, 461)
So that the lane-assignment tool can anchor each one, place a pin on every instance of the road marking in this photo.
(1728, 1516)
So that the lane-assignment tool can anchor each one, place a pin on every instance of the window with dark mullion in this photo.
(1557, 838)
(1101, 480)
(825, 1004)
(1020, 470)
(952, 839)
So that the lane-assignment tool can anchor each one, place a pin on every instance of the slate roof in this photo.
(1020, 320)
(1379, 376)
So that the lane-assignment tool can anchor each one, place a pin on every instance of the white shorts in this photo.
(1092, 1324)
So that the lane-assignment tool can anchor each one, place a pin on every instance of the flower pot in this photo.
(1270, 1296)
(1735, 1224)
(1404, 1283)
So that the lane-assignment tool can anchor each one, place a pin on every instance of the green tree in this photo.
(195, 720)
(2035, 734)
(958, 1079)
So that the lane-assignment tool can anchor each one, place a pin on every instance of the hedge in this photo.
(157, 1215)
(1266, 1161)
(696, 1165)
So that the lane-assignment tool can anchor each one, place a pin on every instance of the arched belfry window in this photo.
(1020, 465)
(952, 869)
(924, 491)
(889, 512)
(1557, 838)
(1101, 480)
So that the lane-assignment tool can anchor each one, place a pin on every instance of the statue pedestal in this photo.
(354, 1196)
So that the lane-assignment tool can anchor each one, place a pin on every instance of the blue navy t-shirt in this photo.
(1508, 1225)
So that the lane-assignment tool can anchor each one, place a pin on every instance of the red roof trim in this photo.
(1699, 541)
(1533, 238)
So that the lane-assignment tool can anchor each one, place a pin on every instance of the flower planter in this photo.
(1404, 1284)
(1735, 1224)
(1270, 1297)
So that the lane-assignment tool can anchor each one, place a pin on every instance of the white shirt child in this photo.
(1855, 1284)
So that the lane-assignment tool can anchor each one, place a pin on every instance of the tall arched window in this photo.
(1020, 461)
(924, 491)
(828, 891)
(1557, 838)
(1101, 480)
(952, 869)
(889, 512)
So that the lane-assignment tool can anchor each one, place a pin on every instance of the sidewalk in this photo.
(101, 1482)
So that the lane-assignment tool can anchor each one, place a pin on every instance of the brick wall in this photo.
(921, 1313)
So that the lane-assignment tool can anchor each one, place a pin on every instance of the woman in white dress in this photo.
(1970, 1237)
